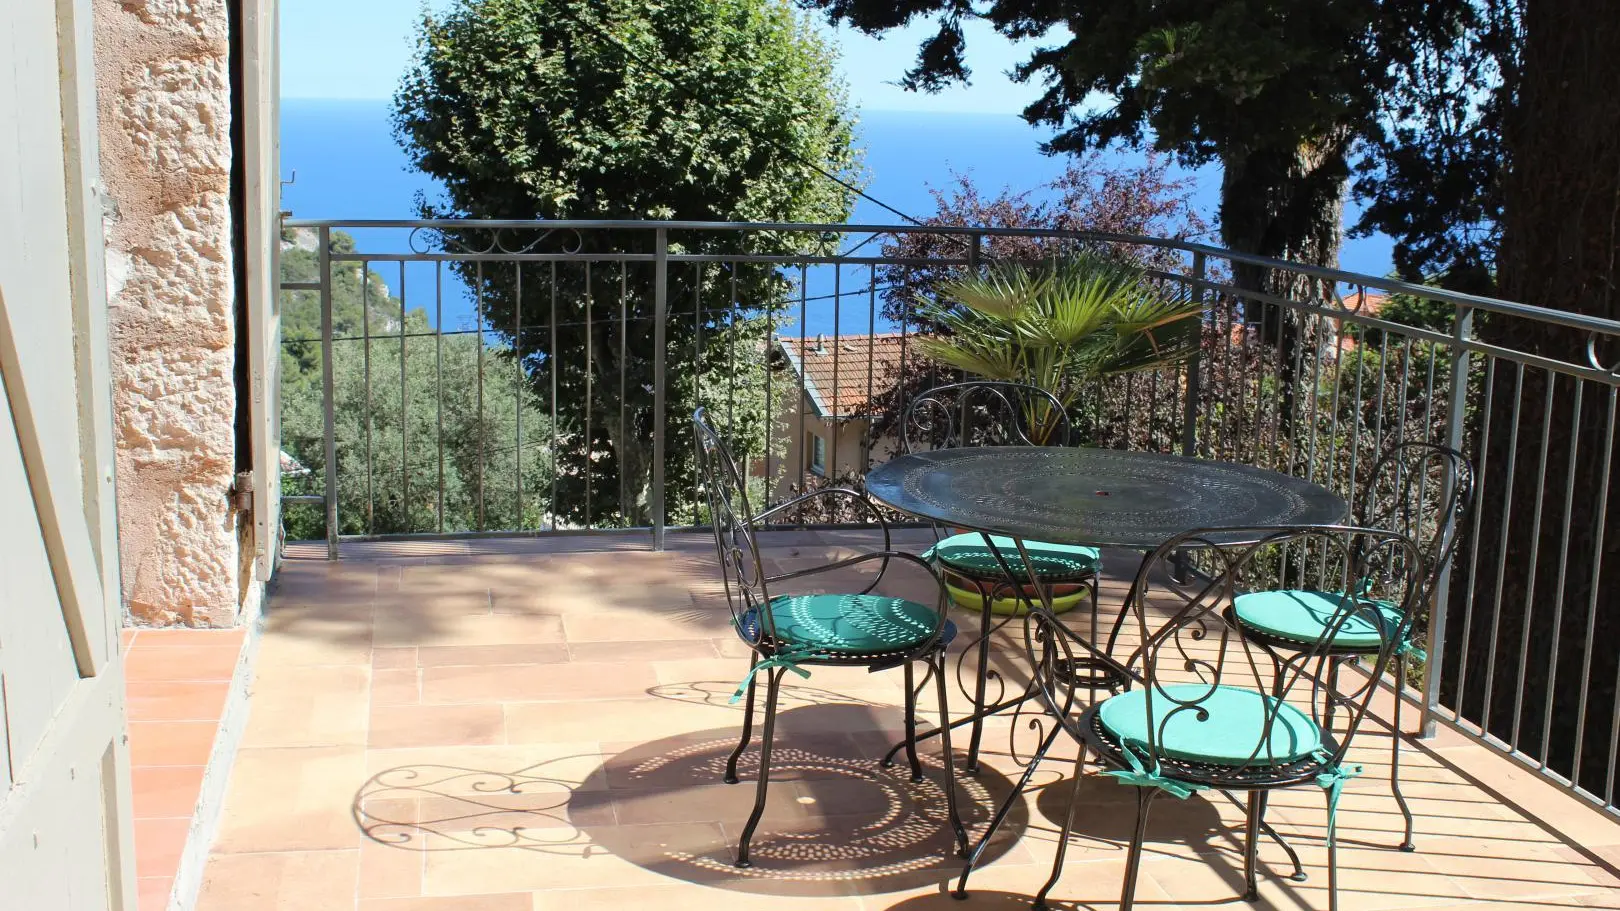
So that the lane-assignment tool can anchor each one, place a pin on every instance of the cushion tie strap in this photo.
(1410, 647)
(787, 659)
(1332, 779)
(1139, 775)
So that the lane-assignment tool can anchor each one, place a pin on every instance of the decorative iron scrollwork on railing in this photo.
(498, 241)
(1594, 341)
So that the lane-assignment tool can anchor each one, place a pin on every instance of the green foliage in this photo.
(712, 110)
(393, 414)
(1277, 91)
(1433, 174)
(1060, 326)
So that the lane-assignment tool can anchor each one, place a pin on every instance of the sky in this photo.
(359, 48)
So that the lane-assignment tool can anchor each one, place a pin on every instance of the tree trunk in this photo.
(1286, 204)
(629, 443)
(1559, 250)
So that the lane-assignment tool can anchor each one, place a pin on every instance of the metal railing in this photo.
(558, 405)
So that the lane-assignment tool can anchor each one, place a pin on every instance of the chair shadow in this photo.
(835, 823)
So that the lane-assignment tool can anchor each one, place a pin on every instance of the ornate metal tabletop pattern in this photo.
(1100, 497)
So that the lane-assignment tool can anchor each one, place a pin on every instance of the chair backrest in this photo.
(1422, 490)
(984, 413)
(1181, 646)
(726, 493)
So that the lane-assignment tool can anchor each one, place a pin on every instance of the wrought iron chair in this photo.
(1419, 489)
(994, 413)
(794, 632)
(1205, 710)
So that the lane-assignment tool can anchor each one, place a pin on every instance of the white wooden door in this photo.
(65, 830)
(260, 113)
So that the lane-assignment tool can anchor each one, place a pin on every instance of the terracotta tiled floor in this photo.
(539, 726)
(176, 683)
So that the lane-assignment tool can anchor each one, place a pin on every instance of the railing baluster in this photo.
(552, 365)
(624, 387)
(1530, 577)
(697, 356)
(660, 313)
(1599, 528)
(365, 340)
(328, 393)
(438, 384)
(1501, 544)
(1189, 416)
(521, 382)
(590, 400)
(404, 416)
(1563, 570)
(478, 318)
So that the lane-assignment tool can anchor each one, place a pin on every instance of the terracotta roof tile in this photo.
(842, 372)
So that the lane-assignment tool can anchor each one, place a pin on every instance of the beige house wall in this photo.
(163, 93)
(846, 451)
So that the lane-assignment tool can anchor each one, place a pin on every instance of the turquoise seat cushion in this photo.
(1305, 616)
(845, 625)
(1227, 732)
(968, 555)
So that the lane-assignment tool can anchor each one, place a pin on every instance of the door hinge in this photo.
(241, 493)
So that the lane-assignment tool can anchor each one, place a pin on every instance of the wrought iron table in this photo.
(1091, 497)
(1096, 497)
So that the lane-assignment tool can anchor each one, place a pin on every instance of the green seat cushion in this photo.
(1227, 732)
(1304, 616)
(967, 554)
(846, 624)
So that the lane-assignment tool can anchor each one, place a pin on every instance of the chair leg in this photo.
(1333, 692)
(972, 767)
(1000, 815)
(1068, 826)
(1251, 846)
(1332, 858)
(951, 810)
(748, 725)
(1395, 752)
(772, 687)
(911, 724)
(1133, 859)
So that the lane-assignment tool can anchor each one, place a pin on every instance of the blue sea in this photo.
(348, 166)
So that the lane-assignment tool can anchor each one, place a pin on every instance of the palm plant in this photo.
(1060, 325)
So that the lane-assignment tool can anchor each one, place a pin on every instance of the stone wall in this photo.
(163, 86)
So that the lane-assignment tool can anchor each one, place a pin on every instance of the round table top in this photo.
(1098, 497)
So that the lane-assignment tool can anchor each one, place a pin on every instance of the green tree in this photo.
(714, 110)
(1499, 172)
(420, 413)
(1277, 91)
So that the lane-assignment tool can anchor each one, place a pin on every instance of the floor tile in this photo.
(152, 892)
(181, 663)
(159, 844)
(168, 701)
(294, 799)
(171, 743)
(282, 881)
(166, 791)
(573, 681)
(435, 725)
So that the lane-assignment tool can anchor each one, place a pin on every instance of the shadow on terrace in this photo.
(541, 723)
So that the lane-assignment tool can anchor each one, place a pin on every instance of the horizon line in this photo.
(858, 112)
